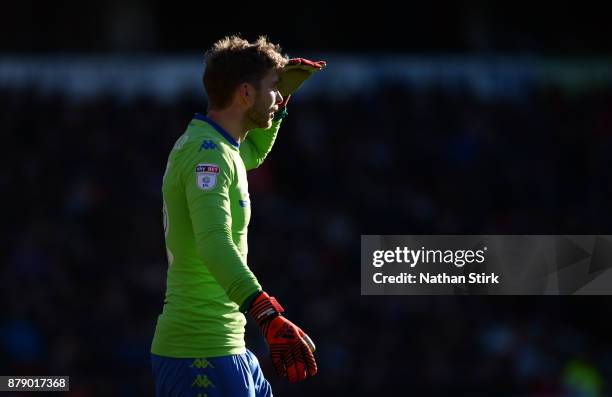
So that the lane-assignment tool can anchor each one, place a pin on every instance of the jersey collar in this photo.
(217, 127)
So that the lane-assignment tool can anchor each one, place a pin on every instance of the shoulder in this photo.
(208, 151)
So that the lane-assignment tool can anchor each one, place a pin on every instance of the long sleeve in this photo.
(208, 200)
(258, 143)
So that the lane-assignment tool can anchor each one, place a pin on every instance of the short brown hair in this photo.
(232, 61)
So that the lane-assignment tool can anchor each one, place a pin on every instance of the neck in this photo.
(230, 121)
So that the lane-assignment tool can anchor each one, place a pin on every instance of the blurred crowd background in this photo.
(83, 265)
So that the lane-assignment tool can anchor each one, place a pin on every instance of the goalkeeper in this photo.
(198, 348)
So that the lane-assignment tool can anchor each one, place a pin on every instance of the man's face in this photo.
(266, 102)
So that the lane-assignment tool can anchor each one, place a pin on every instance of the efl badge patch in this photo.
(206, 176)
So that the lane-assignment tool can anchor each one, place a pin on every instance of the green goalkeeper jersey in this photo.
(206, 214)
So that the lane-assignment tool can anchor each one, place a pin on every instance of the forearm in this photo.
(259, 143)
(220, 255)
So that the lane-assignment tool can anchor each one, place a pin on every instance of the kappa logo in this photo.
(206, 176)
(202, 381)
(208, 144)
(201, 363)
(285, 332)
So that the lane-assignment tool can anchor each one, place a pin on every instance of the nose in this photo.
(279, 97)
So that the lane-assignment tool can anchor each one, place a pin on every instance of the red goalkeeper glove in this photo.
(291, 349)
(293, 75)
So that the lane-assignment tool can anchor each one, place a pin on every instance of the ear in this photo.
(246, 94)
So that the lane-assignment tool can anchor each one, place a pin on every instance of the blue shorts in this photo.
(236, 375)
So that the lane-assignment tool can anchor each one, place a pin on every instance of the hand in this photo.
(295, 73)
(291, 349)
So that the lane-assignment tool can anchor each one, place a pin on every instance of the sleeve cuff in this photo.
(280, 114)
(246, 305)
